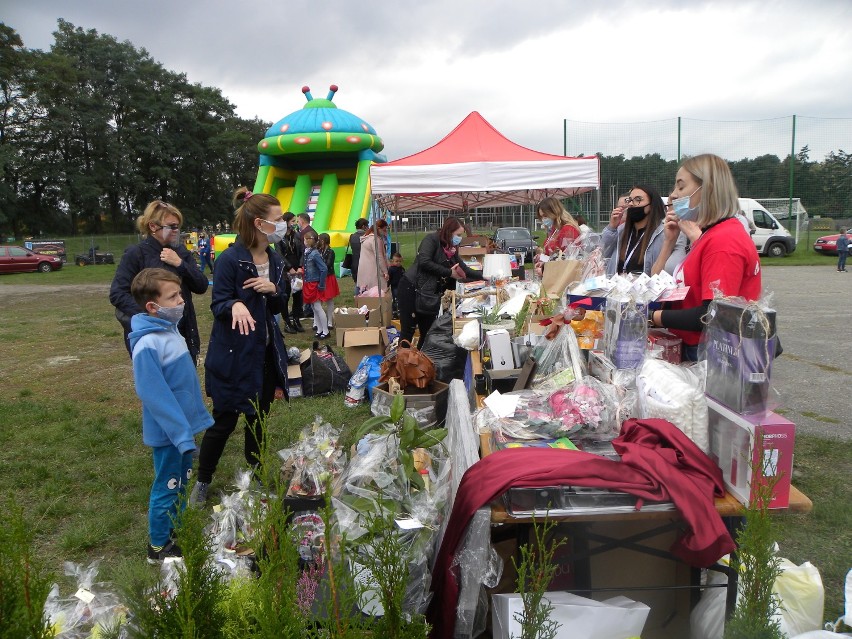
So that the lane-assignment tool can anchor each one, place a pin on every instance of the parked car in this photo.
(94, 256)
(828, 243)
(516, 239)
(17, 259)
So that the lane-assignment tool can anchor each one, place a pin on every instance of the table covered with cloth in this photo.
(658, 463)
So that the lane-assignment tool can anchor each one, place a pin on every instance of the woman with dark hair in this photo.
(633, 239)
(247, 358)
(361, 225)
(159, 226)
(373, 265)
(435, 269)
(292, 249)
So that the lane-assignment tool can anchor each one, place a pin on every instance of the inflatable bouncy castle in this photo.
(317, 161)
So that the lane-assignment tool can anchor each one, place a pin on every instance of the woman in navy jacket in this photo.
(246, 359)
(160, 225)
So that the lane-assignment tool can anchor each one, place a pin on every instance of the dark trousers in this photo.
(298, 309)
(225, 422)
(841, 260)
(408, 317)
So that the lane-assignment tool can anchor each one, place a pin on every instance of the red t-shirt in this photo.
(723, 258)
(561, 240)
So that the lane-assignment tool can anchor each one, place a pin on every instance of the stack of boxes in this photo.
(744, 434)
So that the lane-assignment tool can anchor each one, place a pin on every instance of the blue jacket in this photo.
(146, 254)
(234, 363)
(842, 243)
(315, 268)
(173, 409)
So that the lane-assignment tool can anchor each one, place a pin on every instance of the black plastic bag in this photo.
(325, 372)
(448, 358)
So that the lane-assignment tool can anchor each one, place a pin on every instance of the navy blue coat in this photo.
(234, 363)
(144, 255)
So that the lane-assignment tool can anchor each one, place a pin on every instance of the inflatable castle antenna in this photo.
(331, 91)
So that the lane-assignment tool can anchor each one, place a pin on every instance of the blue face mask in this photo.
(683, 210)
(547, 222)
(456, 240)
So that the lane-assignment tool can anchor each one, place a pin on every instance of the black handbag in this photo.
(426, 303)
(347, 259)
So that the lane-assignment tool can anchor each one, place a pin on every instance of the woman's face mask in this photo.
(456, 240)
(682, 209)
(278, 234)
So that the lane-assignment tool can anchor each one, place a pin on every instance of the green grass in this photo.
(71, 452)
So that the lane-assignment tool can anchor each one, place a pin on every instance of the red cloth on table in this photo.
(659, 463)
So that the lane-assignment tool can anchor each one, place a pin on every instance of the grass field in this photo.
(71, 451)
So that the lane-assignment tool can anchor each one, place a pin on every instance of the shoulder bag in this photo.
(409, 366)
(347, 258)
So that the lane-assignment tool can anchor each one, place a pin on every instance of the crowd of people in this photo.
(279, 271)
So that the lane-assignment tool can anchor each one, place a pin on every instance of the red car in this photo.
(828, 243)
(16, 259)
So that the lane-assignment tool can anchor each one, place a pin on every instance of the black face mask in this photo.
(636, 213)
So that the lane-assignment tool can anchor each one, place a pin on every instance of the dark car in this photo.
(828, 243)
(516, 239)
(17, 259)
(94, 256)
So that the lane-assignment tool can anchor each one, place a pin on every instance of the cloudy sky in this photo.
(415, 69)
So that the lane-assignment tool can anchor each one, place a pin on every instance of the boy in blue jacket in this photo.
(173, 409)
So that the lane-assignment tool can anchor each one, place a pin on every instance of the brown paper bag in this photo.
(558, 274)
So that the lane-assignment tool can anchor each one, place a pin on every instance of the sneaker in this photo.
(198, 497)
(322, 335)
(157, 555)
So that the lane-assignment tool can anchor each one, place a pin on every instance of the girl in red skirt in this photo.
(313, 287)
(332, 290)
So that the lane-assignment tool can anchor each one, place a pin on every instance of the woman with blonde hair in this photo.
(562, 229)
(721, 258)
(247, 359)
(159, 225)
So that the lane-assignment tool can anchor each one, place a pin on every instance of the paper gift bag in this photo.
(616, 618)
(558, 274)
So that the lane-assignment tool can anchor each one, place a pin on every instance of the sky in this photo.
(414, 70)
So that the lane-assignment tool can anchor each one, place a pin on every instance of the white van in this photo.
(770, 237)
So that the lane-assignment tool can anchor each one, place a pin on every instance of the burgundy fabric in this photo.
(659, 463)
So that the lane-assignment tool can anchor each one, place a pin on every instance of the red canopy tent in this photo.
(474, 166)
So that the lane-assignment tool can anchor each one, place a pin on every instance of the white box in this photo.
(616, 618)
(500, 345)
(732, 447)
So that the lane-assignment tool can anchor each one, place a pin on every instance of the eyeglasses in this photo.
(172, 227)
(634, 200)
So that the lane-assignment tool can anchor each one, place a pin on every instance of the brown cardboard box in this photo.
(294, 381)
(384, 305)
(352, 319)
(477, 241)
(358, 342)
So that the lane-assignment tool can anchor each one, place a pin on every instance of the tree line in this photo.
(94, 129)
(824, 187)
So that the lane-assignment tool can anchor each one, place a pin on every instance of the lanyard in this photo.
(635, 246)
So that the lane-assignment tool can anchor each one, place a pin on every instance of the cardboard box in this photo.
(614, 618)
(733, 439)
(359, 342)
(500, 345)
(432, 397)
(350, 318)
(740, 349)
(294, 381)
(384, 306)
(476, 241)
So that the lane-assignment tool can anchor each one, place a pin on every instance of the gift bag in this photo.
(558, 275)
(409, 366)
(625, 332)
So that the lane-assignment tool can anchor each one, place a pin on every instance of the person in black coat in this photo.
(292, 250)
(160, 226)
(435, 270)
(247, 358)
(361, 225)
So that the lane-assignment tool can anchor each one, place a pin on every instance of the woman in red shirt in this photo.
(722, 255)
(561, 227)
